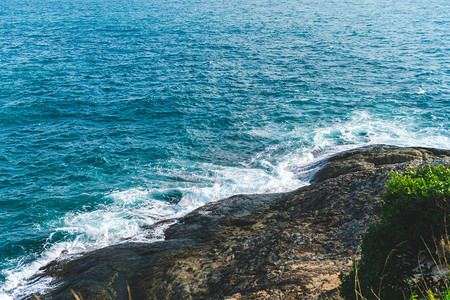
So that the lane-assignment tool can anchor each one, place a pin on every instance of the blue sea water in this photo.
(116, 114)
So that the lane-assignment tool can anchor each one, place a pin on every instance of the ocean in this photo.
(117, 114)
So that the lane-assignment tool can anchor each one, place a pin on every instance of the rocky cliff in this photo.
(276, 246)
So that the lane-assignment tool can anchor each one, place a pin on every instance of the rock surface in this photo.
(275, 246)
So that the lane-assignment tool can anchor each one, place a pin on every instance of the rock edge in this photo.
(271, 246)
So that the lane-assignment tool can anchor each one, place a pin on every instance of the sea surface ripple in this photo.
(117, 114)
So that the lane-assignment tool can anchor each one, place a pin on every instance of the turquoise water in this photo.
(117, 114)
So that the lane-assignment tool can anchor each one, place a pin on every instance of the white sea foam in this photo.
(126, 213)
(406, 128)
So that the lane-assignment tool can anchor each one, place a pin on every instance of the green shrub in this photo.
(415, 210)
(433, 295)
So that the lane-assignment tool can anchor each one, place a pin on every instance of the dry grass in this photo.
(440, 265)
(440, 260)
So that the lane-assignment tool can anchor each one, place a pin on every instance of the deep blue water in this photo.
(116, 114)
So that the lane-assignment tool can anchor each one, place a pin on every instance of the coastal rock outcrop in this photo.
(273, 246)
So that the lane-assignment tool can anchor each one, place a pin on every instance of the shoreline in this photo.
(250, 246)
(20, 283)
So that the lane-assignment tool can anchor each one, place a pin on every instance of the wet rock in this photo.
(276, 246)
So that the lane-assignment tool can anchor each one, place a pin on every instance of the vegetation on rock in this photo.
(412, 229)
